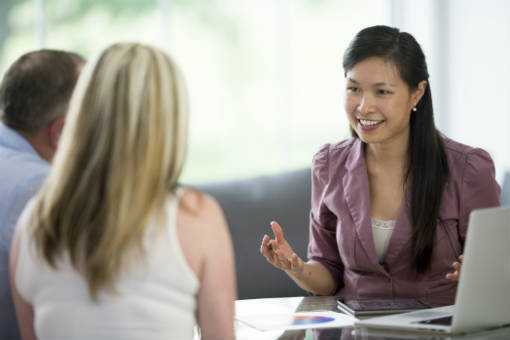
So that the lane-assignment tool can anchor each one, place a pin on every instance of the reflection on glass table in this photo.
(254, 308)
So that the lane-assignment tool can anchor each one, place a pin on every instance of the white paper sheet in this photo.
(301, 320)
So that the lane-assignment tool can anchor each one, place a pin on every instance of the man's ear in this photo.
(55, 129)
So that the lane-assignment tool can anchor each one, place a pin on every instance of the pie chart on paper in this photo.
(299, 320)
(310, 319)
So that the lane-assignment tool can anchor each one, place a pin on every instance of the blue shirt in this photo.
(22, 171)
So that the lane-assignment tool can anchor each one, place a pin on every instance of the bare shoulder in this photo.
(201, 227)
(199, 207)
(200, 217)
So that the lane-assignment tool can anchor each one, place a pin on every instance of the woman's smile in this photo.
(369, 125)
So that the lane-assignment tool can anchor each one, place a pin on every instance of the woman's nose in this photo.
(365, 105)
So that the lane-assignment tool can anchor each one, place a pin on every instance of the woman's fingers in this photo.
(278, 259)
(263, 245)
(292, 263)
(278, 232)
(455, 275)
(283, 263)
(266, 250)
(278, 252)
(272, 255)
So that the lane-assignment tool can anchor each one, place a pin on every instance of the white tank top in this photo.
(156, 297)
(382, 231)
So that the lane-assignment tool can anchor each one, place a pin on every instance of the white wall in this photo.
(467, 44)
(479, 69)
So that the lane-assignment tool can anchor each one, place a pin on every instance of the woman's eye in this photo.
(352, 89)
(383, 92)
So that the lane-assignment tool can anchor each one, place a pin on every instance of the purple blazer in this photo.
(341, 232)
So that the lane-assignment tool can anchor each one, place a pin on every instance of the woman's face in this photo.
(378, 102)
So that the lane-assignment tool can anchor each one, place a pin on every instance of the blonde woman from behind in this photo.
(112, 246)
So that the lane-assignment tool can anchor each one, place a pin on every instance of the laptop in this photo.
(483, 292)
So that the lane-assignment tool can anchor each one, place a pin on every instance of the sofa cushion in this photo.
(249, 206)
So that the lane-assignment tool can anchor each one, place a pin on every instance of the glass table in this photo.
(245, 308)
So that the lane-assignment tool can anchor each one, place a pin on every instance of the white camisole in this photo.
(156, 297)
(382, 231)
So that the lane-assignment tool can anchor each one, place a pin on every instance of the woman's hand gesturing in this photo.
(456, 265)
(280, 254)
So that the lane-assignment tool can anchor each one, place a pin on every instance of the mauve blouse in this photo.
(340, 228)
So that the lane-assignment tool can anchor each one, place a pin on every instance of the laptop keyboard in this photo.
(446, 321)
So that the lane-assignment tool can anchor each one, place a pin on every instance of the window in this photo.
(265, 77)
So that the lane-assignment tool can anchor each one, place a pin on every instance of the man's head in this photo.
(34, 95)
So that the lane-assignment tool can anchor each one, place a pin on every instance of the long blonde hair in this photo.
(121, 153)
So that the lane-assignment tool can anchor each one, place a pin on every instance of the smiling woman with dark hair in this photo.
(390, 206)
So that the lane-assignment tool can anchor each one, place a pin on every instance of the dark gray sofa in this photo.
(249, 206)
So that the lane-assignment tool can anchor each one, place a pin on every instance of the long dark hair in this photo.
(427, 166)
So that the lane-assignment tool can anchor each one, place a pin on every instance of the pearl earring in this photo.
(415, 109)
